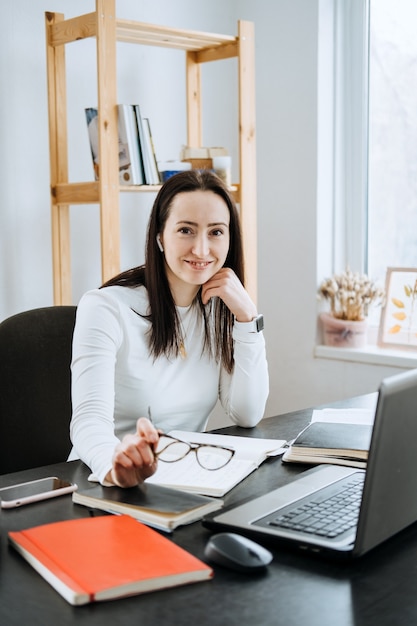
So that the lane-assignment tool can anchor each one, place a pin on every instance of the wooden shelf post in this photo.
(57, 104)
(108, 138)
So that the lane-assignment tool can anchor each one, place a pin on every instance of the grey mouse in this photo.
(237, 552)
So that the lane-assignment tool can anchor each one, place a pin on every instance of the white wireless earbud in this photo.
(158, 241)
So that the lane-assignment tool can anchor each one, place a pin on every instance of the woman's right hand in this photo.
(133, 458)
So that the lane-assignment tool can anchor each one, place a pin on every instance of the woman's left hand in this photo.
(227, 286)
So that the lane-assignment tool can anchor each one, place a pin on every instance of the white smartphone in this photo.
(33, 491)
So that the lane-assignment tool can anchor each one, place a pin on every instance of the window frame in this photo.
(343, 87)
(351, 133)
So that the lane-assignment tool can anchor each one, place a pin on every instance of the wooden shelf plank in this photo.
(163, 36)
(75, 193)
(72, 29)
(89, 192)
(129, 31)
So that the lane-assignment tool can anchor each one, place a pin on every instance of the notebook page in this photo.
(187, 474)
(345, 416)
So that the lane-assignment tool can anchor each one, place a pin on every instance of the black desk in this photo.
(296, 590)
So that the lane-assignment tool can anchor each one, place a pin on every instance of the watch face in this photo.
(259, 323)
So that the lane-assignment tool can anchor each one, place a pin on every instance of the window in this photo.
(392, 170)
(375, 140)
(367, 148)
(374, 204)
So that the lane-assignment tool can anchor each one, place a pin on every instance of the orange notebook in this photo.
(102, 558)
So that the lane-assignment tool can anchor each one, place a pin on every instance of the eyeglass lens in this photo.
(170, 450)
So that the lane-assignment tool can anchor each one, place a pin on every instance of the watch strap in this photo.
(255, 325)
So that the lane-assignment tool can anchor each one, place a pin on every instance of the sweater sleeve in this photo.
(97, 336)
(244, 392)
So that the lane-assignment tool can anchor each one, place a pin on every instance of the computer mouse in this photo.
(237, 552)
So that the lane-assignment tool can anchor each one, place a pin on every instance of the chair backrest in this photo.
(35, 387)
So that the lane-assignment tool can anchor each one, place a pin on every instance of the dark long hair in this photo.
(165, 335)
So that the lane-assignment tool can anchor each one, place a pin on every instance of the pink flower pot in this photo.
(343, 333)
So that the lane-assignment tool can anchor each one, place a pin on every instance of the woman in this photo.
(169, 338)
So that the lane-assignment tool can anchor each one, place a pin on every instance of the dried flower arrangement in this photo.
(350, 295)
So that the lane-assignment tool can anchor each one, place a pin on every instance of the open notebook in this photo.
(386, 502)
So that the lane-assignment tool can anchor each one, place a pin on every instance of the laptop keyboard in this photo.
(323, 514)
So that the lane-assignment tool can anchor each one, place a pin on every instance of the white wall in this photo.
(287, 145)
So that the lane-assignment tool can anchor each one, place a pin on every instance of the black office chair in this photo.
(35, 390)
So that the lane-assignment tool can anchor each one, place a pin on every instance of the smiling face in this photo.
(195, 241)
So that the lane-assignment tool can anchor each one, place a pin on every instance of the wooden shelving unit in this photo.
(198, 48)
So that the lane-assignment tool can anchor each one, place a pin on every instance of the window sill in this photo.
(370, 355)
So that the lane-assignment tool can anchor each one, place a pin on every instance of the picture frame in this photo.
(398, 324)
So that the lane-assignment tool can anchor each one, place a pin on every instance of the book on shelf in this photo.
(157, 506)
(149, 140)
(338, 442)
(107, 557)
(91, 115)
(130, 163)
(202, 158)
(148, 153)
(191, 152)
(129, 147)
(188, 475)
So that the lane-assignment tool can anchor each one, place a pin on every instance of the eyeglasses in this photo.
(210, 457)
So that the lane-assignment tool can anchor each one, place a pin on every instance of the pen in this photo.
(149, 415)
(151, 421)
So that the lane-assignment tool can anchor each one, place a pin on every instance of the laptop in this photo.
(385, 505)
